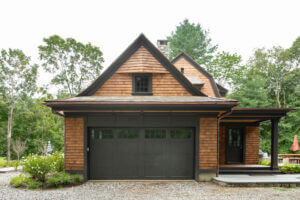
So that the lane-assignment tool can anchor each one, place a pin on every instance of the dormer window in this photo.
(142, 84)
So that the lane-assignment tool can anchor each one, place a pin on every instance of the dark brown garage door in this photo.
(141, 153)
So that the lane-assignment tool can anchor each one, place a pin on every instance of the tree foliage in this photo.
(226, 68)
(17, 80)
(272, 79)
(193, 40)
(72, 63)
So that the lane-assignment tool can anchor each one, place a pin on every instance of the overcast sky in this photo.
(237, 26)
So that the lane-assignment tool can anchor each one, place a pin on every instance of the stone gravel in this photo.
(153, 190)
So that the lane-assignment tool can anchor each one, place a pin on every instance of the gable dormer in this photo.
(141, 67)
(189, 67)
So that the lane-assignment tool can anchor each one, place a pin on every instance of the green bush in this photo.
(290, 169)
(57, 162)
(37, 166)
(20, 180)
(3, 162)
(77, 178)
(58, 179)
(34, 184)
(266, 163)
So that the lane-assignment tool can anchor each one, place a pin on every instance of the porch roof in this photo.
(254, 115)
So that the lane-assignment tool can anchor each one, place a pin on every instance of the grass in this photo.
(12, 163)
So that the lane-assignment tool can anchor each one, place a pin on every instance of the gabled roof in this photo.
(199, 68)
(140, 41)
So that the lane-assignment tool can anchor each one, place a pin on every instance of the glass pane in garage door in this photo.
(181, 133)
(155, 133)
(101, 133)
(128, 133)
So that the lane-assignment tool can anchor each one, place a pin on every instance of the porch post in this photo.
(274, 144)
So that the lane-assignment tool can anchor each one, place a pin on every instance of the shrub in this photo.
(59, 179)
(265, 162)
(57, 162)
(3, 162)
(290, 169)
(34, 184)
(16, 165)
(20, 180)
(37, 166)
(77, 178)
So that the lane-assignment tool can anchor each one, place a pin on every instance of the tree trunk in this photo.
(9, 131)
(277, 94)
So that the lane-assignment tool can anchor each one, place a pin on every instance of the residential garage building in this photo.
(147, 117)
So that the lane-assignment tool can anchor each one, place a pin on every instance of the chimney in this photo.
(164, 47)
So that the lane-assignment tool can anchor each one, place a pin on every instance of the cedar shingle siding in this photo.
(208, 143)
(189, 69)
(252, 145)
(74, 143)
(163, 83)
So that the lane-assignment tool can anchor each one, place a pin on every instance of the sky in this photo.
(237, 26)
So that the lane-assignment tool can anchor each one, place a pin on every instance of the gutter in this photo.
(57, 113)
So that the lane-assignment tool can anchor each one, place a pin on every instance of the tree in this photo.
(294, 51)
(19, 147)
(226, 68)
(17, 80)
(72, 63)
(274, 66)
(193, 40)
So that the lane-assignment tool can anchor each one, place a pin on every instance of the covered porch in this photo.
(238, 141)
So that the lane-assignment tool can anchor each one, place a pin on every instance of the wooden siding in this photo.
(189, 69)
(252, 145)
(222, 147)
(208, 143)
(142, 61)
(163, 83)
(74, 144)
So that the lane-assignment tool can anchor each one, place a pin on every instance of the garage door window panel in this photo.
(102, 134)
(155, 133)
(128, 133)
(181, 133)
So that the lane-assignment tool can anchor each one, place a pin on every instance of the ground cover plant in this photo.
(45, 172)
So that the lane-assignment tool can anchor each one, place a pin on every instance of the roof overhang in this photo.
(255, 115)
(178, 103)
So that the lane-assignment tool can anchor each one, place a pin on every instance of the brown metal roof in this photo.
(142, 100)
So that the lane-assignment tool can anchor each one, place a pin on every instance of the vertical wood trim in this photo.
(274, 144)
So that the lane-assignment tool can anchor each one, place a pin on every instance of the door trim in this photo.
(243, 143)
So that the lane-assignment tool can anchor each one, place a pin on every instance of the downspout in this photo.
(218, 139)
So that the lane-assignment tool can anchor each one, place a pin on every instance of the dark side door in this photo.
(235, 137)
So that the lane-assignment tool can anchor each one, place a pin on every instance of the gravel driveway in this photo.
(145, 190)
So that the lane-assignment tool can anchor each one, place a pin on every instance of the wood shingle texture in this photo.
(142, 61)
(74, 144)
(189, 69)
(208, 150)
(252, 145)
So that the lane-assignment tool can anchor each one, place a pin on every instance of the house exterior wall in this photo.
(142, 61)
(189, 69)
(252, 145)
(74, 144)
(208, 150)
